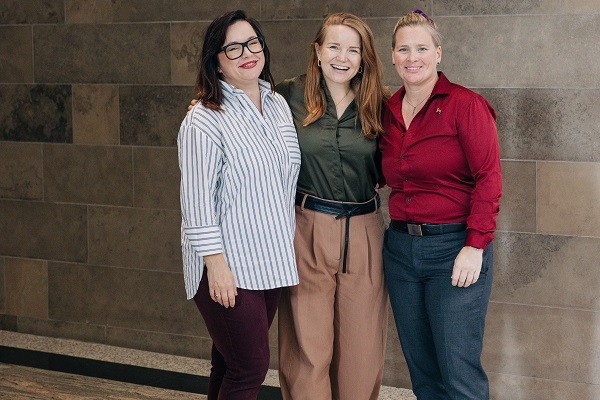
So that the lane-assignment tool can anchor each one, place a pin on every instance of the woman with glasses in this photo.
(332, 326)
(239, 161)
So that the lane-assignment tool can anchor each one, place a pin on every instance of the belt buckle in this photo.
(414, 229)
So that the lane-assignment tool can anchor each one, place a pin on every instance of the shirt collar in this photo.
(331, 104)
(263, 86)
(442, 86)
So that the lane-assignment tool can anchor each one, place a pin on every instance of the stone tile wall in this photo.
(92, 93)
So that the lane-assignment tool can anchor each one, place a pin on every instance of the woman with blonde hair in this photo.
(441, 158)
(332, 326)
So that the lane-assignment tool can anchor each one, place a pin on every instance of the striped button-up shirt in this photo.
(238, 179)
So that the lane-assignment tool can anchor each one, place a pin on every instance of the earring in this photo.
(360, 69)
(319, 62)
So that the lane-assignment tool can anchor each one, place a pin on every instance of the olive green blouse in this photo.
(338, 162)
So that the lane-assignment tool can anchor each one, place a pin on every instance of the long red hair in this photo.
(370, 93)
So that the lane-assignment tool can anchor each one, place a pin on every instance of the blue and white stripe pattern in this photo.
(238, 180)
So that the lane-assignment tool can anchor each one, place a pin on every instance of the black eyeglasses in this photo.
(234, 51)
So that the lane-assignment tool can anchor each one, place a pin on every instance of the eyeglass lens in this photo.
(235, 50)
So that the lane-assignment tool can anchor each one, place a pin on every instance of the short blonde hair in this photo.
(418, 18)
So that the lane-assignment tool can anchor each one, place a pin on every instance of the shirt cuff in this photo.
(205, 240)
(477, 239)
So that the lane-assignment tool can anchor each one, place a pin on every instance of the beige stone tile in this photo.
(567, 198)
(152, 115)
(83, 330)
(32, 12)
(206, 348)
(160, 342)
(498, 7)
(547, 270)
(547, 124)
(26, 283)
(102, 11)
(543, 342)
(135, 238)
(36, 113)
(96, 114)
(517, 208)
(16, 60)
(488, 51)
(290, 9)
(88, 174)
(512, 387)
(581, 6)
(43, 230)
(21, 175)
(382, 30)
(102, 53)
(288, 43)
(142, 300)
(186, 47)
(156, 177)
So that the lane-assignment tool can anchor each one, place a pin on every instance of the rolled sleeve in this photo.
(200, 162)
(204, 240)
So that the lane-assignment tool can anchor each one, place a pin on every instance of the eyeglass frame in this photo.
(244, 45)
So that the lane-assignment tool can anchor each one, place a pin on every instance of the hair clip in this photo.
(422, 13)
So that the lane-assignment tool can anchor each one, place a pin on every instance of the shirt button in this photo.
(408, 199)
(403, 135)
(405, 179)
(403, 157)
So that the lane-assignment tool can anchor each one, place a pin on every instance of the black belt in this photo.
(427, 229)
(340, 210)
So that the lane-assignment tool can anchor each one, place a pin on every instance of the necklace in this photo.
(414, 108)
(340, 100)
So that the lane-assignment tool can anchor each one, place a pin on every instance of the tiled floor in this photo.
(50, 368)
(18, 382)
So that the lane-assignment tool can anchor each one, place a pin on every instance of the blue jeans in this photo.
(440, 326)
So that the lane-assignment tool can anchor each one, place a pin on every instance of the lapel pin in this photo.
(439, 111)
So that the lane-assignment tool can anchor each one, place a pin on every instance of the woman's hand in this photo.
(221, 282)
(192, 104)
(467, 266)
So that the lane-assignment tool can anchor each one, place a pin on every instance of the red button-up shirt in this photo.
(445, 167)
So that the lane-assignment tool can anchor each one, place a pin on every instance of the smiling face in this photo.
(340, 54)
(244, 71)
(415, 55)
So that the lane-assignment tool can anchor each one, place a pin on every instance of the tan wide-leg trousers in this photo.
(333, 325)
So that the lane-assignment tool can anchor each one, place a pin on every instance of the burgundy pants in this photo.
(240, 351)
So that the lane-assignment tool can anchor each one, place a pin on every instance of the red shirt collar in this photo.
(442, 86)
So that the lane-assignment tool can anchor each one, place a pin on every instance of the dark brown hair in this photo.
(208, 88)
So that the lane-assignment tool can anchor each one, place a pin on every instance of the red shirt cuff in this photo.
(477, 239)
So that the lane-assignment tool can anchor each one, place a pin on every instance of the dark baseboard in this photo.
(117, 372)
